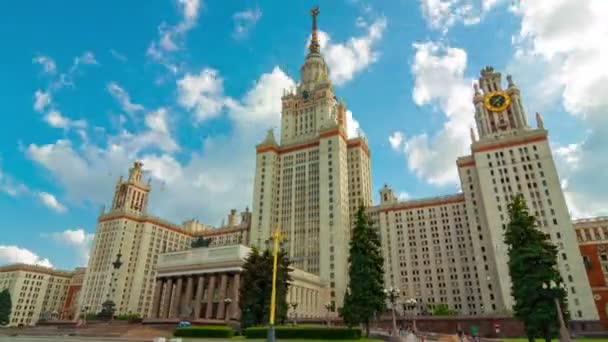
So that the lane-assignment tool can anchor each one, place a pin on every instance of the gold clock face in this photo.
(497, 101)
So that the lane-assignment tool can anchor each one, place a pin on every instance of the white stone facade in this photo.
(37, 292)
(509, 157)
(310, 183)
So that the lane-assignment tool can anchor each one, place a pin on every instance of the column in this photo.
(221, 306)
(199, 296)
(167, 298)
(187, 300)
(210, 292)
(177, 292)
(158, 291)
(235, 311)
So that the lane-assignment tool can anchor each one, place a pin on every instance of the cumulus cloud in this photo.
(47, 63)
(439, 81)
(346, 60)
(16, 255)
(352, 126)
(396, 140)
(443, 14)
(41, 100)
(77, 239)
(123, 98)
(206, 184)
(202, 93)
(564, 41)
(51, 202)
(10, 186)
(56, 120)
(245, 21)
(171, 38)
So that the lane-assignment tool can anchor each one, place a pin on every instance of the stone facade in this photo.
(451, 250)
(310, 183)
(592, 236)
(195, 285)
(126, 229)
(37, 292)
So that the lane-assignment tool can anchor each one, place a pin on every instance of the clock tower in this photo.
(497, 110)
(132, 195)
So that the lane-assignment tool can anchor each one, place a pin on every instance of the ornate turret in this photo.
(498, 111)
(314, 69)
(132, 195)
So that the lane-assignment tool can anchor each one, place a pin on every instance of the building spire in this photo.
(314, 41)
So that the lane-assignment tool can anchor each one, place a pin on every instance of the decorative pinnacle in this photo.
(314, 42)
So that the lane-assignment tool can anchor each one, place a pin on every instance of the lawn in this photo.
(556, 340)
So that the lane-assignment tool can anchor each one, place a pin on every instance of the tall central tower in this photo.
(310, 183)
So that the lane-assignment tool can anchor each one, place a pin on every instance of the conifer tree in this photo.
(365, 294)
(5, 307)
(532, 263)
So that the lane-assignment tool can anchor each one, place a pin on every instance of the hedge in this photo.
(306, 332)
(204, 331)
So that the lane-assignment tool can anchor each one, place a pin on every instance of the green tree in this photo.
(443, 310)
(364, 296)
(532, 263)
(107, 310)
(5, 307)
(200, 242)
(254, 296)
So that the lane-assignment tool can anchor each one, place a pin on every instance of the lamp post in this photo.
(393, 295)
(552, 288)
(411, 304)
(227, 303)
(294, 306)
(328, 307)
(276, 237)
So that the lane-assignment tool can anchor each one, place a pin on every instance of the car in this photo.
(183, 324)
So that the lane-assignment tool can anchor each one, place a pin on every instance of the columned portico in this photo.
(195, 285)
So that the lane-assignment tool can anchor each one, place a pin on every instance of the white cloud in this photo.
(118, 55)
(439, 80)
(205, 185)
(202, 93)
(345, 60)
(396, 140)
(443, 14)
(48, 64)
(123, 98)
(10, 186)
(41, 100)
(55, 119)
(352, 126)
(78, 239)
(564, 42)
(17, 255)
(245, 21)
(403, 196)
(50, 201)
(171, 38)
(86, 58)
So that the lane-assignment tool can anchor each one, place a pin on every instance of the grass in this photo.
(555, 340)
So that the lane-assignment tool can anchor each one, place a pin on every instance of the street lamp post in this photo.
(276, 237)
(412, 304)
(328, 307)
(116, 266)
(564, 335)
(294, 306)
(227, 303)
(393, 295)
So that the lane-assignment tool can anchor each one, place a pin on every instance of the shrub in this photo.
(131, 318)
(306, 332)
(204, 331)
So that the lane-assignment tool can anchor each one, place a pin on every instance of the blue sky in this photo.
(190, 86)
